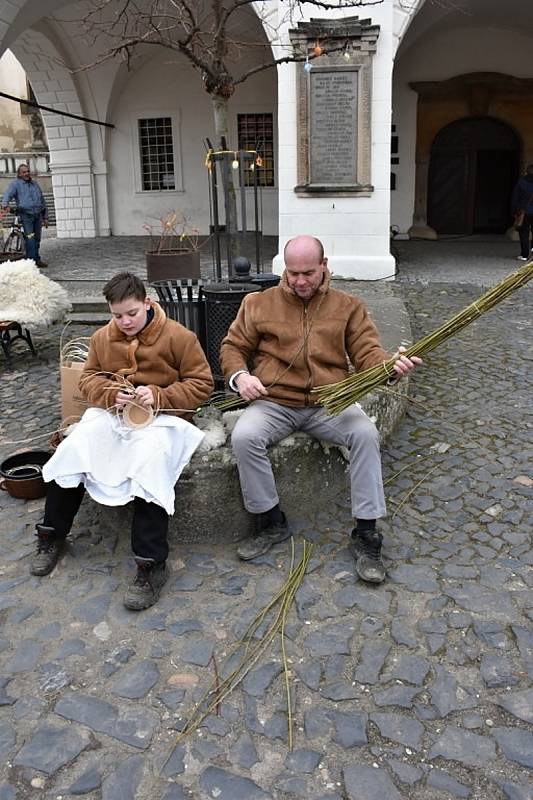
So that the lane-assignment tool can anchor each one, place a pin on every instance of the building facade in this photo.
(440, 93)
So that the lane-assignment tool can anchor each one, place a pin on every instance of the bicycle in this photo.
(15, 241)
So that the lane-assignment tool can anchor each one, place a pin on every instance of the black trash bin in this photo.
(265, 280)
(222, 301)
(184, 302)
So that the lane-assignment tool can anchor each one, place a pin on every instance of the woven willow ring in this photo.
(136, 416)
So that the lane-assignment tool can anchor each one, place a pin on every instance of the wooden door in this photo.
(473, 168)
(448, 192)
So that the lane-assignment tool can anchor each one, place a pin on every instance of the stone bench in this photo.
(309, 475)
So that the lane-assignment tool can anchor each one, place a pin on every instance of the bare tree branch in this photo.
(198, 29)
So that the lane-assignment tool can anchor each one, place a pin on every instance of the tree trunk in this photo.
(220, 112)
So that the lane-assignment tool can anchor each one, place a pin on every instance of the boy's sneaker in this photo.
(49, 548)
(264, 539)
(366, 547)
(145, 588)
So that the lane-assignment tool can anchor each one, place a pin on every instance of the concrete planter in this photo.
(177, 264)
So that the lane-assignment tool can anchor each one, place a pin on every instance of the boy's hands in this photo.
(142, 395)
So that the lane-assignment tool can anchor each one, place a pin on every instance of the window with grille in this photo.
(157, 154)
(256, 132)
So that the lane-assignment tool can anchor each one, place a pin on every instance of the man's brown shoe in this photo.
(367, 552)
(262, 541)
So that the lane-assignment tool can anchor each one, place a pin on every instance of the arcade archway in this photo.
(473, 167)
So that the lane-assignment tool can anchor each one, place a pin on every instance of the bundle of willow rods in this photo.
(251, 646)
(338, 396)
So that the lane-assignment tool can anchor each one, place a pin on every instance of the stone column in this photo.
(74, 199)
(420, 228)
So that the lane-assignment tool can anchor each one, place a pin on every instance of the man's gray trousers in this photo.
(264, 423)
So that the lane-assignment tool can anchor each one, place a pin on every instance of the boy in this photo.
(116, 463)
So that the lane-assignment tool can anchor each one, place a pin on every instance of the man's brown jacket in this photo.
(293, 346)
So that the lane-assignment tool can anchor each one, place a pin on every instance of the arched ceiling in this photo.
(449, 14)
(250, 21)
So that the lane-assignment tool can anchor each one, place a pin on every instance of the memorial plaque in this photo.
(333, 126)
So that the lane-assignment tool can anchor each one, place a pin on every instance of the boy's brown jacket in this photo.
(292, 346)
(165, 356)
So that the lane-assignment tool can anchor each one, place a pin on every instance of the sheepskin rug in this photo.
(28, 297)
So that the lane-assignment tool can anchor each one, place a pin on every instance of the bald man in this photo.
(296, 336)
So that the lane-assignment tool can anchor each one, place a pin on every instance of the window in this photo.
(157, 154)
(256, 132)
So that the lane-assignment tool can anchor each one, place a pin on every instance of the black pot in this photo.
(21, 474)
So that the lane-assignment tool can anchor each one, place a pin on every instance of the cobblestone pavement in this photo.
(85, 261)
(419, 689)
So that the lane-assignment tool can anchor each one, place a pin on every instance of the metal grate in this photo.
(157, 154)
(184, 302)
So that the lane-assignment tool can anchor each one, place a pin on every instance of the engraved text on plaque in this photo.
(333, 126)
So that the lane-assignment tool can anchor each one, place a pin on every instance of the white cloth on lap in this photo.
(117, 463)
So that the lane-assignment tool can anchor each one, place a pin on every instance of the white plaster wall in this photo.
(439, 56)
(354, 230)
(402, 17)
(167, 84)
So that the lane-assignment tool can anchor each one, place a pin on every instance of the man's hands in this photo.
(404, 365)
(249, 387)
(143, 395)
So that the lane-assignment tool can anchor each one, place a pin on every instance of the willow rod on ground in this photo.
(338, 396)
(224, 684)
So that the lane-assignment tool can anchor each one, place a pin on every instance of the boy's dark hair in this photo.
(122, 286)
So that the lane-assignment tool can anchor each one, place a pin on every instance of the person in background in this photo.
(522, 203)
(31, 208)
(296, 336)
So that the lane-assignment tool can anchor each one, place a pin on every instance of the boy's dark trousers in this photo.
(149, 527)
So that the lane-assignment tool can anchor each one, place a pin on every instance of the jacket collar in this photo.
(149, 335)
(320, 292)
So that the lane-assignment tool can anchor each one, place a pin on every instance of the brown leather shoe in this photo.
(49, 548)
(366, 546)
(262, 541)
(41, 264)
(146, 586)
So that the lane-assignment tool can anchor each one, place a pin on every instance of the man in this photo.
(32, 210)
(296, 336)
(163, 363)
(522, 201)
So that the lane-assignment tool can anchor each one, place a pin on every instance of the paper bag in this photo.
(72, 403)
